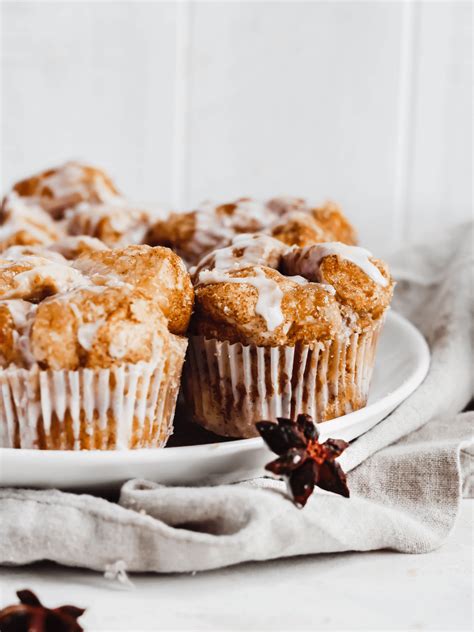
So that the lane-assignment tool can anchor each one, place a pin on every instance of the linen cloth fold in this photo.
(406, 475)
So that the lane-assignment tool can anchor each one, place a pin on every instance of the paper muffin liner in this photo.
(229, 387)
(128, 406)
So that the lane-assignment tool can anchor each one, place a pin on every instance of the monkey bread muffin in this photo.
(91, 348)
(116, 225)
(192, 235)
(279, 331)
(25, 223)
(300, 224)
(62, 188)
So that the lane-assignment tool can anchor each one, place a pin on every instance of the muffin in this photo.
(116, 225)
(194, 234)
(62, 188)
(279, 331)
(302, 225)
(25, 223)
(72, 247)
(90, 358)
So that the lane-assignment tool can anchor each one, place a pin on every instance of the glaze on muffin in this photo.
(289, 331)
(87, 346)
(66, 186)
(192, 235)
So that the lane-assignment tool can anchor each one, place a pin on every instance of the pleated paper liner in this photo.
(128, 406)
(229, 387)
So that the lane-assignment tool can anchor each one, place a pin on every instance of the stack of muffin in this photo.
(277, 308)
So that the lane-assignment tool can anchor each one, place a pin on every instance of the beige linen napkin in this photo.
(406, 474)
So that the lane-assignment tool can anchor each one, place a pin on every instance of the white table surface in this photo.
(352, 591)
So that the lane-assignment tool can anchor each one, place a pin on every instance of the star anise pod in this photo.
(31, 616)
(302, 459)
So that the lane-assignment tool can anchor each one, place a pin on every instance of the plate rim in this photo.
(395, 398)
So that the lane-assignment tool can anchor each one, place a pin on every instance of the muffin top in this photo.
(303, 225)
(105, 308)
(157, 272)
(196, 233)
(25, 223)
(292, 220)
(259, 291)
(116, 224)
(66, 186)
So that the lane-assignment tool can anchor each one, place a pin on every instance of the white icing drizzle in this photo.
(69, 245)
(130, 223)
(118, 347)
(253, 250)
(269, 293)
(20, 253)
(307, 260)
(256, 249)
(64, 278)
(71, 178)
(215, 229)
(87, 332)
(14, 226)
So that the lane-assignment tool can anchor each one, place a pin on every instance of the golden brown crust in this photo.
(176, 232)
(299, 229)
(116, 225)
(157, 272)
(332, 220)
(66, 186)
(227, 311)
(243, 251)
(9, 352)
(355, 290)
(24, 224)
(75, 246)
(268, 308)
(284, 204)
(97, 329)
(124, 302)
(305, 227)
(34, 278)
(196, 233)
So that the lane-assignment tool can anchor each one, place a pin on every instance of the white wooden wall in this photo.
(368, 103)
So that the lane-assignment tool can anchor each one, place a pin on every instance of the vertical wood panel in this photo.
(440, 190)
(298, 98)
(93, 80)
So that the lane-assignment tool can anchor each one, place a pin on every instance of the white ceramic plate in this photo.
(402, 364)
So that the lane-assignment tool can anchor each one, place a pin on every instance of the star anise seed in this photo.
(31, 616)
(302, 459)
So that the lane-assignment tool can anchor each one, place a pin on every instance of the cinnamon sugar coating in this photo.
(299, 228)
(106, 308)
(255, 293)
(97, 328)
(331, 219)
(364, 293)
(228, 310)
(14, 318)
(66, 186)
(34, 278)
(364, 297)
(194, 234)
(74, 247)
(116, 225)
(25, 224)
(244, 250)
(284, 204)
(306, 226)
(177, 232)
(157, 272)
